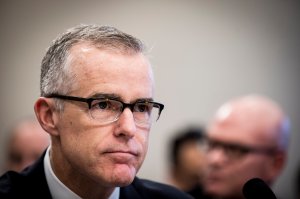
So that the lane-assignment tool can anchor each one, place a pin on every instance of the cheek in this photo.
(255, 167)
(262, 167)
(144, 138)
(77, 127)
(71, 133)
(141, 140)
(81, 138)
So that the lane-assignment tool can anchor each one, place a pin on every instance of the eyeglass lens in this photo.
(108, 110)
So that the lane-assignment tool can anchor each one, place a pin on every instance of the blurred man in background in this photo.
(187, 160)
(247, 138)
(27, 141)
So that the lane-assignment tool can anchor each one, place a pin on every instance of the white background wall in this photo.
(203, 53)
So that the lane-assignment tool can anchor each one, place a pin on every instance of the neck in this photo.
(75, 181)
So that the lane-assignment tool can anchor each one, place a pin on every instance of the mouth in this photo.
(215, 177)
(121, 156)
(122, 152)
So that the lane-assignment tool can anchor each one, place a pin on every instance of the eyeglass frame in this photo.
(241, 149)
(91, 99)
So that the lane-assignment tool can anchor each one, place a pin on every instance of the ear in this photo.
(278, 164)
(46, 114)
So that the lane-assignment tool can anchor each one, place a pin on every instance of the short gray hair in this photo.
(55, 73)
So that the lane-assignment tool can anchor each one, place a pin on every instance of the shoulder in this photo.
(150, 189)
(26, 184)
(10, 184)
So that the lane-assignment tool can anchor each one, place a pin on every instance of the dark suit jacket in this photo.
(31, 183)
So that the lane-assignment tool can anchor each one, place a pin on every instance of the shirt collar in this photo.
(58, 190)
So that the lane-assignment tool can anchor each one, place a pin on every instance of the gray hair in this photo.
(56, 75)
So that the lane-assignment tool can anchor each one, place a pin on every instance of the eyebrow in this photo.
(117, 97)
(105, 95)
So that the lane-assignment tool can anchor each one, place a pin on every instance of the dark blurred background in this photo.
(203, 53)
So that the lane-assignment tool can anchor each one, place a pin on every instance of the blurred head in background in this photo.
(27, 141)
(247, 138)
(187, 160)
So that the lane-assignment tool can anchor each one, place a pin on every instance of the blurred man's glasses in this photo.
(106, 110)
(235, 151)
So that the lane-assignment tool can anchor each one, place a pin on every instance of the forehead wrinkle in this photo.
(88, 74)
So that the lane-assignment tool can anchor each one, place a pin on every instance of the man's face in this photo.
(27, 145)
(192, 159)
(229, 165)
(109, 154)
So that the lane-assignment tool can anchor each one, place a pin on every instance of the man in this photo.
(27, 141)
(247, 138)
(97, 105)
(187, 161)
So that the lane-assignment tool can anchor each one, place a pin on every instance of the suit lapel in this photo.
(130, 191)
(36, 179)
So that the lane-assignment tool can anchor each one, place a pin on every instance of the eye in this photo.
(15, 157)
(102, 105)
(142, 107)
(236, 151)
(211, 145)
(107, 105)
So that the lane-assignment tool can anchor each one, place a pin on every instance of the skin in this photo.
(189, 172)
(26, 145)
(249, 121)
(89, 158)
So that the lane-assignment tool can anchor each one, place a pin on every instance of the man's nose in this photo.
(126, 124)
(216, 156)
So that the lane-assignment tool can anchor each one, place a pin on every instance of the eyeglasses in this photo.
(235, 151)
(106, 110)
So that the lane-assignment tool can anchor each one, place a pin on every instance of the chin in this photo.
(123, 177)
(212, 190)
(123, 181)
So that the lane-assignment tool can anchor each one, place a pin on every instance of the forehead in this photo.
(110, 71)
(238, 128)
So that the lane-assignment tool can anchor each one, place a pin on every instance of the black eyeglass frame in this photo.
(90, 100)
(241, 148)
